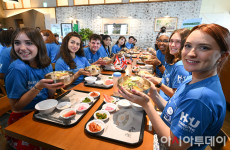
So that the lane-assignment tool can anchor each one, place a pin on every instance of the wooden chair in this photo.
(4, 108)
(2, 87)
(220, 146)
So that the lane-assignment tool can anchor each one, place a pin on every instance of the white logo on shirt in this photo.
(184, 118)
(170, 111)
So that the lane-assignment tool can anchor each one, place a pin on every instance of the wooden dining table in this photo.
(54, 137)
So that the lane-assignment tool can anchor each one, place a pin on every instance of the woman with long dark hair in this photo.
(72, 57)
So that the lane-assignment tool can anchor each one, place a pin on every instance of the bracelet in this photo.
(160, 65)
(158, 85)
(37, 88)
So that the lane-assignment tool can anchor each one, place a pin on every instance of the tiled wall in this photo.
(143, 14)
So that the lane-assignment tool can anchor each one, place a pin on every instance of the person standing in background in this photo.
(51, 44)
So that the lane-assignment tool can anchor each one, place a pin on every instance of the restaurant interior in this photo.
(138, 18)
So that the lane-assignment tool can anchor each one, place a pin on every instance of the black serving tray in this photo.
(58, 121)
(110, 138)
(115, 70)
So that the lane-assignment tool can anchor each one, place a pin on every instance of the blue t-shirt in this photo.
(161, 57)
(20, 78)
(129, 45)
(81, 62)
(116, 49)
(52, 50)
(173, 76)
(195, 110)
(104, 51)
(1, 48)
(92, 57)
(5, 60)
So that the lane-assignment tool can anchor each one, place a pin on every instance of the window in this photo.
(117, 29)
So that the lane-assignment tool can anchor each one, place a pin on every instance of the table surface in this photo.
(55, 137)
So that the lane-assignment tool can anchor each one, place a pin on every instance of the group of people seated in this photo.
(187, 64)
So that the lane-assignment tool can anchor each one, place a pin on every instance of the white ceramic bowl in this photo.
(94, 93)
(69, 111)
(101, 112)
(137, 107)
(99, 82)
(96, 122)
(113, 100)
(90, 80)
(46, 106)
(91, 99)
(82, 107)
(123, 103)
(110, 107)
(63, 105)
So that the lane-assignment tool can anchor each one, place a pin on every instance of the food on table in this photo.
(82, 107)
(86, 100)
(136, 68)
(101, 115)
(60, 76)
(93, 69)
(94, 127)
(134, 82)
(94, 94)
(108, 82)
(70, 113)
(111, 77)
(109, 99)
(118, 68)
(145, 73)
(109, 108)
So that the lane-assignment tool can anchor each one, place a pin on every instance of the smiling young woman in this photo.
(25, 83)
(198, 107)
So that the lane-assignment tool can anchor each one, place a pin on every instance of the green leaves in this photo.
(85, 33)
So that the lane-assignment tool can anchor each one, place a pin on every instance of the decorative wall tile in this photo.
(141, 25)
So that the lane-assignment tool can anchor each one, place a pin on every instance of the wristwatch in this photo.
(159, 65)
(158, 85)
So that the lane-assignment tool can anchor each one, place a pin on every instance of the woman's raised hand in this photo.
(135, 97)
(49, 84)
(83, 72)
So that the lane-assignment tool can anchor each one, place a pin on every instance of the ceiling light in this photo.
(167, 16)
(10, 1)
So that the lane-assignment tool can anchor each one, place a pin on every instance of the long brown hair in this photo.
(65, 53)
(220, 34)
(42, 59)
(121, 37)
(50, 36)
(171, 59)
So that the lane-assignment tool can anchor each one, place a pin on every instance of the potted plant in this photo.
(85, 34)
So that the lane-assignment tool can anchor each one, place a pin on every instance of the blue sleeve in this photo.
(178, 76)
(4, 63)
(188, 121)
(16, 79)
(86, 62)
(114, 49)
(60, 65)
